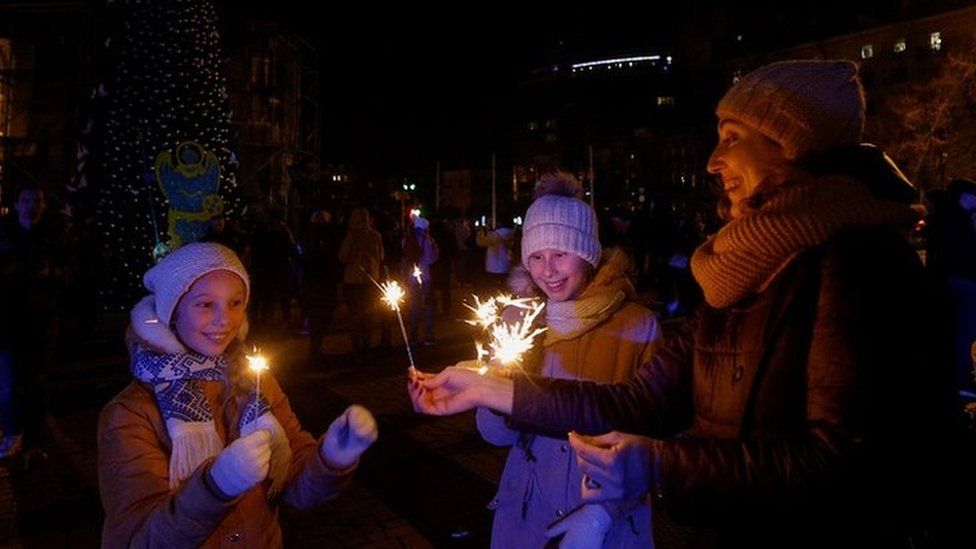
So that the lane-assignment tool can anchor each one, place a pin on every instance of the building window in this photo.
(665, 100)
(867, 51)
(900, 45)
(935, 41)
(533, 126)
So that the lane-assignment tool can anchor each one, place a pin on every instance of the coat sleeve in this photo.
(312, 482)
(133, 477)
(656, 400)
(494, 428)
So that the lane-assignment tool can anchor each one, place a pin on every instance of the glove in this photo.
(348, 437)
(584, 528)
(242, 464)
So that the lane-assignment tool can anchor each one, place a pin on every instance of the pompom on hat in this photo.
(805, 106)
(172, 277)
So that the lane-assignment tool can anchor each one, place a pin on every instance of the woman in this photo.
(187, 453)
(594, 331)
(800, 404)
(362, 254)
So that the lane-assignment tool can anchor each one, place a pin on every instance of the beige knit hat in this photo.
(561, 223)
(169, 279)
(805, 106)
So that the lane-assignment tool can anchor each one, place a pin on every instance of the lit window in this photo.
(665, 100)
(935, 41)
(900, 45)
(533, 126)
(867, 51)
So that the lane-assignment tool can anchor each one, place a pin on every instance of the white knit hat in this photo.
(805, 106)
(169, 279)
(561, 223)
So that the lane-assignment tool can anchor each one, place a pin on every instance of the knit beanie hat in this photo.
(805, 106)
(169, 279)
(561, 223)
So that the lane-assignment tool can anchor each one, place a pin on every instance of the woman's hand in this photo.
(458, 390)
(616, 465)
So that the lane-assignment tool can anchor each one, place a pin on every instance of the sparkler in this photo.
(509, 342)
(418, 275)
(488, 312)
(393, 295)
(257, 364)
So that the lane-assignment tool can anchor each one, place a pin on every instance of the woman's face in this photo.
(744, 159)
(561, 275)
(210, 314)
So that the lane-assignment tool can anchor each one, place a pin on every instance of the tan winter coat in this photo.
(133, 478)
(541, 480)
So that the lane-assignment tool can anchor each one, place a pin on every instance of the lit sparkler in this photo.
(257, 364)
(418, 275)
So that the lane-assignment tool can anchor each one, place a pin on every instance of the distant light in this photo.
(867, 51)
(935, 41)
(484, 221)
(413, 186)
(637, 59)
(517, 220)
(900, 45)
(669, 60)
(415, 212)
(738, 38)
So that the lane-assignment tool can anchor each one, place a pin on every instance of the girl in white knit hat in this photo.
(805, 406)
(595, 332)
(188, 453)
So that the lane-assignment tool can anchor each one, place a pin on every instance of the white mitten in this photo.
(348, 437)
(242, 464)
(583, 528)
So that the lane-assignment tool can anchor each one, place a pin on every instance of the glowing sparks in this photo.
(510, 341)
(488, 312)
(393, 294)
(257, 364)
(485, 312)
(418, 275)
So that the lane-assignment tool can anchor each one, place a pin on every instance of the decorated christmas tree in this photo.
(160, 165)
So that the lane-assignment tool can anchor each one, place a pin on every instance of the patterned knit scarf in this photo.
(177, 382)
(804, 213)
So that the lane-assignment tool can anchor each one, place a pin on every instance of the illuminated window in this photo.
(935, 41)
(533, 126)
(900, 45)
(867, 51)
(665, 100)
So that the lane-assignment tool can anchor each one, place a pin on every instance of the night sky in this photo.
(405, 85)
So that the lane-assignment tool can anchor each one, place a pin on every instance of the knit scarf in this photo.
(177, 376)
(748, 251)
(602, 297)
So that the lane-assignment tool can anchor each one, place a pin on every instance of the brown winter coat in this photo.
(133, 477)
(809, 413)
